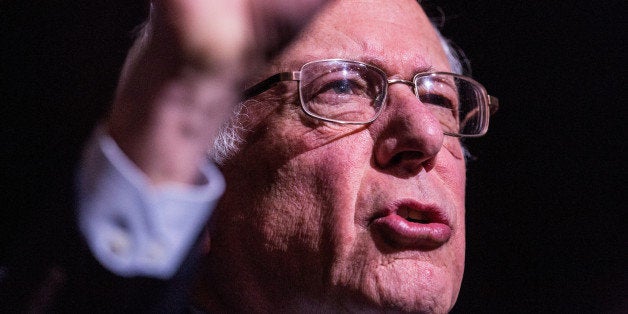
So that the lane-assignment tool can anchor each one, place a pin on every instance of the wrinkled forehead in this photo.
(394, 35)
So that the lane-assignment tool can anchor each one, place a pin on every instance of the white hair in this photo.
(230, 136)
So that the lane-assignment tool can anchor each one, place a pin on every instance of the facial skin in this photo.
(312, 216)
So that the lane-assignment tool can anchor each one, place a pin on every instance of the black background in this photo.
(546, 196)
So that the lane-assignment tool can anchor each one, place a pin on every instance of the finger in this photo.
(277, 22)
(212, 32)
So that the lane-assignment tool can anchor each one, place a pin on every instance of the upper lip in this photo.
(429, 213)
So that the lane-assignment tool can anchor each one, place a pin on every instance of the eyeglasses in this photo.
(352, 92)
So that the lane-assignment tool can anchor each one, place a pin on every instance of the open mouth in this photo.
(413, 226)
(416, 216)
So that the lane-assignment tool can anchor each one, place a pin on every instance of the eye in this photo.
(438, 90)
(437, 100)
(342, 87)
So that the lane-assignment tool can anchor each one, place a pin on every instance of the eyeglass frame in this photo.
(491, 102)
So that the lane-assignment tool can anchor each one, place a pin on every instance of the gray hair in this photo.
(230, 136)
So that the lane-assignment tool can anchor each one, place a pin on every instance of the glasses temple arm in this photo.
(269, 82)
(493, 104)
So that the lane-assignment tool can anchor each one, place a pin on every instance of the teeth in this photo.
(416, 215)
(412, 215)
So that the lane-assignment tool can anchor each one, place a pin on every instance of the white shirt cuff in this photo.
(132, 227)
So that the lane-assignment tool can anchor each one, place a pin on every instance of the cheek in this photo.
(320, 174)
(334, 156)
(454, 147)
(451, 169)
(335, 173)
(452, 174)
(337, 170)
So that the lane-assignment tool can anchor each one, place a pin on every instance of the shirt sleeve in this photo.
(132, 227)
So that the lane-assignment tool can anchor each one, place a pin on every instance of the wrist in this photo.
(167, 131)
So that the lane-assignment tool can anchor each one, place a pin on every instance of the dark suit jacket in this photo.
(55, 272)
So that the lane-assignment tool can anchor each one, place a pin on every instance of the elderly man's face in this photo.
(336, 216)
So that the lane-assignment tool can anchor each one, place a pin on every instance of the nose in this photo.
(408, 135)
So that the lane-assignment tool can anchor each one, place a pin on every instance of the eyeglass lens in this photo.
(354, 92)
(342, 91)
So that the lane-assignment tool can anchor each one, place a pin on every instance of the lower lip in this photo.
(403, 234)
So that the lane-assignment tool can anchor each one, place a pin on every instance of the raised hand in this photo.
(183, 74)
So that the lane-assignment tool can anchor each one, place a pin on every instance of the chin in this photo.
(398, 285)
(399, 304)
(422, 304)
(409, 299)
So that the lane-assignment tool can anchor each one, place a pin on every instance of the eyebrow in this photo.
(384, 66)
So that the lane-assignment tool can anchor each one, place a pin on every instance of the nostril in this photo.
(410, 162)
(403, 156)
